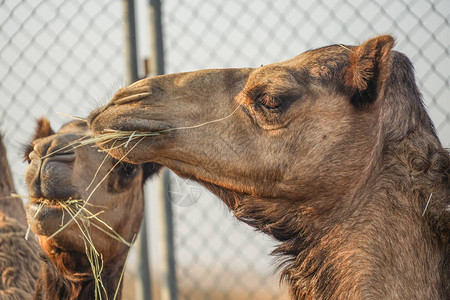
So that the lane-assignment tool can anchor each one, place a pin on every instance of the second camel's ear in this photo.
(42, 130)
(369, 66)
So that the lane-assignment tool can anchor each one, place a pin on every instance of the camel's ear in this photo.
(369, 66)
(42, 130)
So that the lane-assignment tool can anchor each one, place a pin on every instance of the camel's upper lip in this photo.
(124, 120)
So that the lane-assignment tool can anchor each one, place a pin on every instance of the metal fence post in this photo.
(156, 61)
(156, 67)
(131, 57)
(131, 60)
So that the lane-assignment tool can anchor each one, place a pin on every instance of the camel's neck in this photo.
(373, 254)
(403, 219)
(51, 285)
(373, 244)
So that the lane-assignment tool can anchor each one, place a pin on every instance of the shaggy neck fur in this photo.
(69, 284)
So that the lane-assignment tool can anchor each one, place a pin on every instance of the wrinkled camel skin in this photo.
(331, 152)
(58, 172)
(19, 259)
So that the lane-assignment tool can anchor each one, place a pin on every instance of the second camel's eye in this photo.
(269, 102)
(127, 169)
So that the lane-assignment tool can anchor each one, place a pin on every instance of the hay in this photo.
(84, 223)
(72, 117)
(426, 206)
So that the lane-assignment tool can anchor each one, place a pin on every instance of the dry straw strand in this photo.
(426, 206)
(72, 117)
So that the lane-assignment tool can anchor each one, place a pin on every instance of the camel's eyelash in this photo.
(263, 95)
(27, 149)
(269, 101)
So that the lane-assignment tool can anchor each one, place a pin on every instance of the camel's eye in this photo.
(269, 102)
(125, 174)
(127, 169)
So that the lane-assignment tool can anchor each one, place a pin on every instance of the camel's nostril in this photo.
(67, 157)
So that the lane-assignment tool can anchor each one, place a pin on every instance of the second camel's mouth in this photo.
(41, 209)
(47, 215)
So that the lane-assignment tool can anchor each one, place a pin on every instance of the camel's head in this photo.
(304, 128)
(64, 178)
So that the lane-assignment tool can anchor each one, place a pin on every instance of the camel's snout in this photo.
(51, 159)
(49, 180)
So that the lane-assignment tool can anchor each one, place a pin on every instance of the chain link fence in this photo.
(68, 56)
(55, 56)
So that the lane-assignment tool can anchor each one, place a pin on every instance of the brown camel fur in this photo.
(331, 152)
(19, 260)
(57, 173)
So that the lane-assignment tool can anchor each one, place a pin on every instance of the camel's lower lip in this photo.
(45, 216)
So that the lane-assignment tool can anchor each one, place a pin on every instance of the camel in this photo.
(19, 260)
(58, 174)
(331, 152)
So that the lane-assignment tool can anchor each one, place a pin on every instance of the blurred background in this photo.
(70, 56)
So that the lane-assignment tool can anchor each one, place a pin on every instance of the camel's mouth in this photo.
(46, 216)
(139, 125)
(123, 134)
(121, 139)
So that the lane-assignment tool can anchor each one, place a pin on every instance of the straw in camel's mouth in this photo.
(52, 203)
(47, 211)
